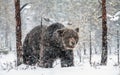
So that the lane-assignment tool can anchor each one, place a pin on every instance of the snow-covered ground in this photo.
(7, 67)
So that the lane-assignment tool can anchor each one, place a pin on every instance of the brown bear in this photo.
(43, 45)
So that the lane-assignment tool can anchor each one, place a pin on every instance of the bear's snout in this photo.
(72, 42)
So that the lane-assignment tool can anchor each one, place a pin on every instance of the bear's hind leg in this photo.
(30, 59)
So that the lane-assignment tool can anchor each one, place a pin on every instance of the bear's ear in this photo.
(60, 32)
(77, 29)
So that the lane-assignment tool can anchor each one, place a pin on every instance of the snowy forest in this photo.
(97, 51)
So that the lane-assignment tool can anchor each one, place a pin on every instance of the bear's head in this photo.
(69, 37)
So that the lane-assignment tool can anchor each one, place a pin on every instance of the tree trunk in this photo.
(95, 50)
(110, 49)
(18, 32)
(104, 34)
(90, 48)
(118, 45)
(84, 48)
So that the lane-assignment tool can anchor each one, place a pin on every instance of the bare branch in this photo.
(100, 2)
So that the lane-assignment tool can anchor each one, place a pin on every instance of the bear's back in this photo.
(52, 28)
(50, 31)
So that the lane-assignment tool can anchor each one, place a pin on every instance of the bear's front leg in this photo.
(46, 63)
(67, 58)
(46, 59)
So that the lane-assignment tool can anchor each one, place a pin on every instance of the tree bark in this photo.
(18, 32)
(104, 34)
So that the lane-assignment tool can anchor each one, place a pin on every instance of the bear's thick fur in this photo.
(43, 45)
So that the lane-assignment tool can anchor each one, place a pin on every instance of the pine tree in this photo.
(104, 34)
(18, 32)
